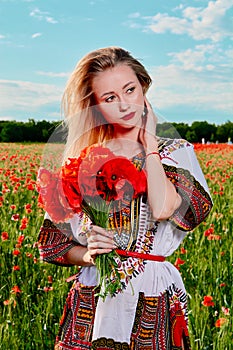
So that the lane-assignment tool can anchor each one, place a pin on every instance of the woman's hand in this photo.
(99, 241)
(147, 134)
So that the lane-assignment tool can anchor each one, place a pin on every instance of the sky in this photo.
(186, 46)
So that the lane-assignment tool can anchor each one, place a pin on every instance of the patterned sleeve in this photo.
(183, 170)
(54, 242)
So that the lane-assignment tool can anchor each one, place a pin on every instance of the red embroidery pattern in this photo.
(196, 202)
(54, 242)
(76, 325)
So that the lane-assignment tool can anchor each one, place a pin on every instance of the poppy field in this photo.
(32, 293)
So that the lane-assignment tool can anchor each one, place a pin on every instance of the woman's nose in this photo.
(123, 105)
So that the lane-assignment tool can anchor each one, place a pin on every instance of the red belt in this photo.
(141, 255)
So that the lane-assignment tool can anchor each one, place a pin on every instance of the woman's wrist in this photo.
(80, 256)
(154, 153)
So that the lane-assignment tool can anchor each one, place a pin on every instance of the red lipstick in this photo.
(128, 116)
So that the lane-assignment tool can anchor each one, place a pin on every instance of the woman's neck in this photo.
(125, 142)
(124, 147)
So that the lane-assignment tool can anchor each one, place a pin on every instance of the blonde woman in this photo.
(105, 102)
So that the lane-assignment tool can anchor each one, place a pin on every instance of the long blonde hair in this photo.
(86, 125)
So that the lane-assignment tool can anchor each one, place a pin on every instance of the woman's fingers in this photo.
(94, 252)
(101, 231)
(100, 241)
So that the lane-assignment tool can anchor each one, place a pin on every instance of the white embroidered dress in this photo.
(116, 317)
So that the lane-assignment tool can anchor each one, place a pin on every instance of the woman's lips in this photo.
(128, 116)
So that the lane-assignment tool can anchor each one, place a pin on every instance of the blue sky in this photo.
(186, 46)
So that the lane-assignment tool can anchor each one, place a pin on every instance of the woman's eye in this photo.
(130, 90)
(110, 98)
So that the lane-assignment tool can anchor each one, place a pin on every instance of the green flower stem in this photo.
(108, 275)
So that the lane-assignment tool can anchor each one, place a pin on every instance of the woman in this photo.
(105, 102)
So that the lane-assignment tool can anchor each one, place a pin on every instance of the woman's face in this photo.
(119, 96)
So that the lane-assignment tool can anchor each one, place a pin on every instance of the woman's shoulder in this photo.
(167, 146)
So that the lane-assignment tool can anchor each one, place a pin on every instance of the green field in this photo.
(33, 293)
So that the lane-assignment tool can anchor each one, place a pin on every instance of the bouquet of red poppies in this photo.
(93, 183)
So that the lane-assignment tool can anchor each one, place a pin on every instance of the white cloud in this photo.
(28, 96)
(42, 16)
(204, 90)
(54, 75)
(50, 20)
(162, 22)
(36, 35)
(2, 36)
(200, 23)
(203, 57)
(179, 7)
(197, 59)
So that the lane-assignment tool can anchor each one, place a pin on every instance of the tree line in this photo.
(41, 131)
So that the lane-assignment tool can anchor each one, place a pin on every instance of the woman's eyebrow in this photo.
(112, 92)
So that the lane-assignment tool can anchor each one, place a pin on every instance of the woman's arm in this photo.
(56, 245)
(162, 196)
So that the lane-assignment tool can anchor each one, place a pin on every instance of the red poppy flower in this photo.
(222, 285)
(16, 252)
(99, 173)
(16, 268)
(15, 217)
(51, 195)
(4, 236)
(30, 187)
(121, 176)
(179, 262)
(183, 251)
(24, 221)
(209, 232)
(91, 162)
(225, 310)
(20, 239)
(208, 301)
(16, 290)
(220, 322)
(44, 177)
(214, 238)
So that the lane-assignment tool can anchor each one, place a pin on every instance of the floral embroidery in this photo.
(167, 146)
